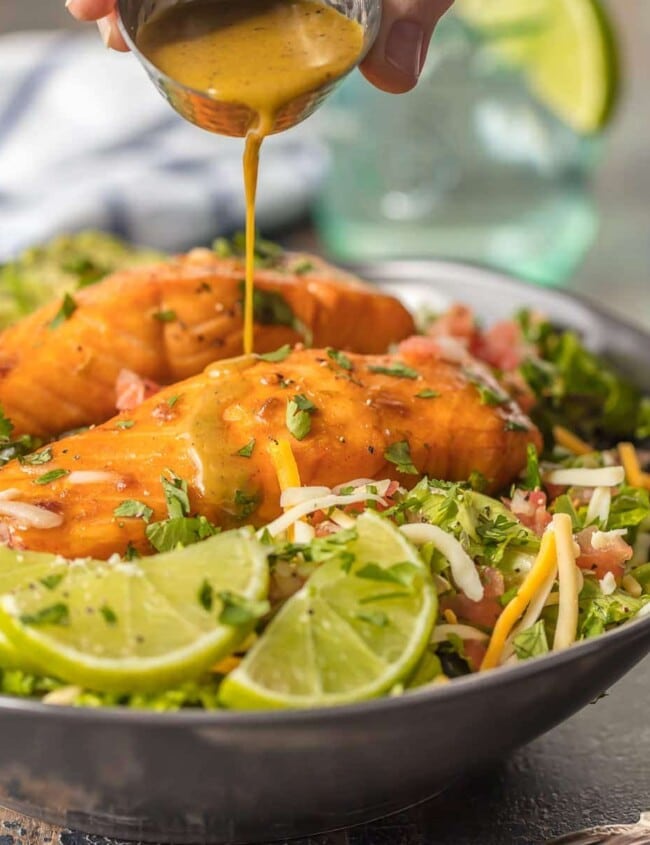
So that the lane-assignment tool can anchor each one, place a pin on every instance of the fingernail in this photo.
(404, 47)
(105, 28)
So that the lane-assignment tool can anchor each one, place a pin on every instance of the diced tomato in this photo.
(327, 527)
(611, 558)
(458, 321)
(418, 349)
(485, 612)
(503, 346)
(131, 390)
(529, 506)
(475, 652)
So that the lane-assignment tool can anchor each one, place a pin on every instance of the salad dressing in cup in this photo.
(250, 68)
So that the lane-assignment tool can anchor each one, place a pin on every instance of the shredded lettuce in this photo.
(531, 642)
(599, 613)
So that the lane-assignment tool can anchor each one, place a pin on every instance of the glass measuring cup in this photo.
(226, 117)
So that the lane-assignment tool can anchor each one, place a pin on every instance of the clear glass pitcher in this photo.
(469, 166)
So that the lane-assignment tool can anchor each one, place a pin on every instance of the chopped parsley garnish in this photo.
(110, 617)
(67, 309)
(135, 509)
(270, 308)
(477, 481)
(267, 253)
(427, 393)
(374, 617)
(532, 477)
(21, 446)
(400, 454)
(54, 614)
(206, 595)
(131, 553)
(52, 475)
(37, 458)
(298, 416)
(165, 316)
(340, 358)
(174, 399)
(182, 531)
(488, 395)
(245, 503)
(238, 610)
(514, 425)
(124, 424)
(176, 496)
(397, 370)
(303, 267)
(6, 426)
(50, 582)
(247, 450)
(399, 573)
(277, 355)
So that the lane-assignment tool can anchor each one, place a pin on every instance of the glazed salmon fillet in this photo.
(59, 366)
(366, 416)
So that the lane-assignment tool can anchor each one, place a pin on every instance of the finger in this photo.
(397, 57)
(110, 33)
(90, 10)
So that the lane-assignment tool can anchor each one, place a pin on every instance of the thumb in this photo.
(397, 56)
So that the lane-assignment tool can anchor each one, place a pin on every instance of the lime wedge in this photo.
(352, 633)
(133, 626)
(566, 48)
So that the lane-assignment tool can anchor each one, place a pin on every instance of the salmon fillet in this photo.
(59, 366)
(213, 431)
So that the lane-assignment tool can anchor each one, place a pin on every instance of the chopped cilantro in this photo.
(223, 248)
(298, 416)
(277, 355)
(373, 617)
(514, 425)
(398, 370)
(50, 582)
(303, 267)
(267, 253)
(181, 531)
(271, 309)
(6, 426)
(340, 358)
(134, 508)
(532, 477)
(37, 458)
(206, 595)
(488, 394)
(174, 399)
(54, 614)
(247, 450)
(400, 454)
(427, 393)
(124, 424)
(52, 475)
(165, 316)
(131, 553)
(238, 610)
(67, 309)
(176, 496)
(245, 503)
(110, 617)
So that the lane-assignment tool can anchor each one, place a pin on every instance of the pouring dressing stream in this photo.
(264, 55)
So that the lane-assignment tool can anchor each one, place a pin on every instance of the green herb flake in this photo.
(165, 316)
(339, 358)
(400, 454)
(124, 424)
(37, 458)
(303, 267)
(170, 534)
(174, 399)
(247, 450)
(397, 370)
(54, 614)
(134, 509)
(6, 426)
(223, 248)
(245, 503)
(52, 475)
(515, 425)
(206, 595)
(238, 610)
(427, 393)
(51, 582)
(373, 617)
(276, 356)
(532, 476)
(176, 495)
(131, 553)
(110, 617)
(298, 416)
(67, 309)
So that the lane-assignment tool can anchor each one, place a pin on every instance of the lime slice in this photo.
(132, 626)
(351, 633)
(566, 48)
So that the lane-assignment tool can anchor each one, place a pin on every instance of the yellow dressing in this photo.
(263, 54)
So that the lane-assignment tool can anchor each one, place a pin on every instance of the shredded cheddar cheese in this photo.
(544, 563)
(223, 667)
(286, 469)
(571, 441)
(567, 618)
(633, 473)
(450, 616)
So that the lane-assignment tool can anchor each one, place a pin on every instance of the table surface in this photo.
(594, 768)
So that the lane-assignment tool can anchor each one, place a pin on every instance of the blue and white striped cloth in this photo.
(87, 142)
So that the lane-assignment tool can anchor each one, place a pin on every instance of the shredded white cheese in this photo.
(11, 493)
(303, 532)
(567, 619)
(32, 516)
(282, 523)
(465, 632)
(603, 539)
(463, 569)
(293, 496)
(586, 477)
(599, 505)
(88, 476)
(608, 583)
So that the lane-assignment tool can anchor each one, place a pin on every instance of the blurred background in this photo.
(508, 153)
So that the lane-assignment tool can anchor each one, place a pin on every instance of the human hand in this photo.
(394, 63)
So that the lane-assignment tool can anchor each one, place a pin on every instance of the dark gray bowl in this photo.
(238, 778)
